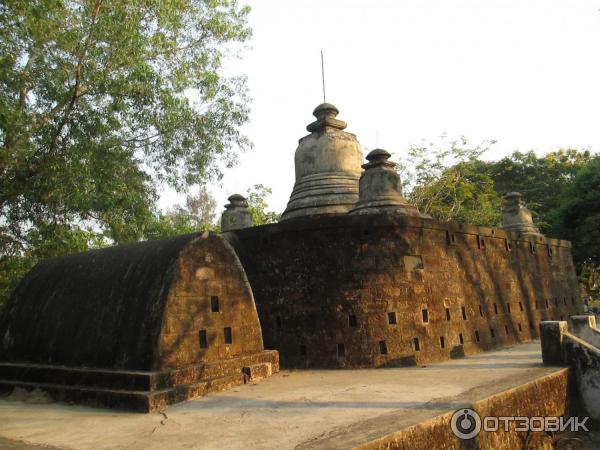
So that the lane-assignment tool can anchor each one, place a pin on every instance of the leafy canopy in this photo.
(448, 181)
(101, 102)
(95, 107)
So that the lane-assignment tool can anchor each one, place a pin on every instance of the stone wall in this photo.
(210, 313)
(141, 306)
(375, 290)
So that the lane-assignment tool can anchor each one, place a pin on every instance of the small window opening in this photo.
(203, 339)
(450, 238)
(508, 307)
(416, 344)
(519, 327)
(532, 248)
(341, 351)
(392, 318)
(352, 321)
(425, 315)
(507, 245)
(506, 328)
(442, 342)
(461, 339)
(447, 313)
(521, 306)
(546, 302)
(227, 335)
(303, 350)
(480, 242)
(495, 308)
(214, 304)
(477, 336)
(480, 311)
(463, 310)
(493, 332)
(382, 347)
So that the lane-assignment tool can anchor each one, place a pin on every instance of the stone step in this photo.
(133, 400)
(125, 380)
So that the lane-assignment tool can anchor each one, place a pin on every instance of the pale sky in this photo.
(525, 73)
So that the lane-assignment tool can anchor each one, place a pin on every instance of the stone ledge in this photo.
(137, 391)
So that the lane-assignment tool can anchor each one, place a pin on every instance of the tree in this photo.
(578, 217)
(448, 182)
(198, 214)
(541, 180)
(257, 204)
(100, 102)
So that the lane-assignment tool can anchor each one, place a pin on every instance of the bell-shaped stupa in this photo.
(236, 214)
(516, 216)
(380, 191)
(328, 166)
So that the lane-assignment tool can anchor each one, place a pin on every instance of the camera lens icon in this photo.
(465, 423)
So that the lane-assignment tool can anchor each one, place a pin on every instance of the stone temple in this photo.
(352, 276)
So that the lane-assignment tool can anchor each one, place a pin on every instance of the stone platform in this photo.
(370, 408)
(137, 390)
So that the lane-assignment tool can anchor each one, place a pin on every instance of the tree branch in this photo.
(76, 92)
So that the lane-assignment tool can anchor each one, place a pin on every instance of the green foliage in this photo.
(589, 281)
(198, 214)
(100, 102)
(448, 182)
(578, 216)
(540, 179)
(257, 204)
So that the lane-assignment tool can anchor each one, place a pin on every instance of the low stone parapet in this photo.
(578, 347)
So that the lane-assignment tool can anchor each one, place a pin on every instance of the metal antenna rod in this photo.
(323, 76)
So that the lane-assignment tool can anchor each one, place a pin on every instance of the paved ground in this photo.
(289, 410)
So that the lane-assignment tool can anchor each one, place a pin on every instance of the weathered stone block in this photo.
(551, 334)
(257, 372)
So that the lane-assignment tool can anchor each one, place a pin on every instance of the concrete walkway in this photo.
(290, 410)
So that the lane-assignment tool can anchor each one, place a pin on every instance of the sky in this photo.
(525, 73)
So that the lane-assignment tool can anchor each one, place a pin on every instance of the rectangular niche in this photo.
(383, 348)
(227, 335)
(203, 338)
(425, 315)
(214, 303)
(392, 318)
(352, 321)
(341, 351)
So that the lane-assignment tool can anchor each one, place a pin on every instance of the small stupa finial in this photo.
(236, 214)
(380, 189)
(516, 216)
